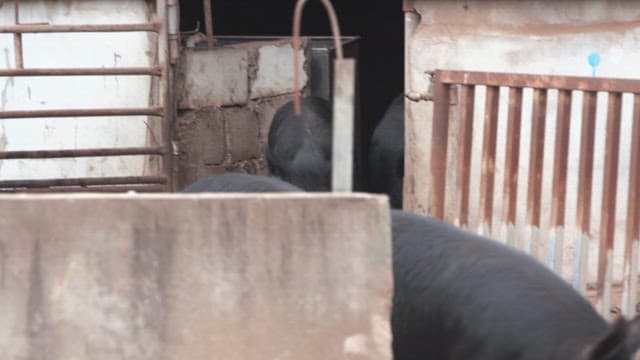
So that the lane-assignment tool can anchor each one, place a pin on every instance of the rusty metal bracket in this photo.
(416, 96)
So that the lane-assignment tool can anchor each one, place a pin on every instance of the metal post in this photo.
(173, 17)
(208, 22)
(342, 149)
(511, 170)
(632, 236)
(416, 172)
(165, 92)
(17, 38)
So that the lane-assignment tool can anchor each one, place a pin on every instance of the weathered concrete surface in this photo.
(275, 70)
(233, 276)
(244, 133)
(214, 78)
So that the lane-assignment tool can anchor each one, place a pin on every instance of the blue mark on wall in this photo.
(594, 61)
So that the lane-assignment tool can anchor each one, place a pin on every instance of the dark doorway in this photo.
(379, 24)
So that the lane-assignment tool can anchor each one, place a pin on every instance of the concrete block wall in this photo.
(199, 276)
(226, 98)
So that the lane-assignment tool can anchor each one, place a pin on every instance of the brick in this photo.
(275, 71)
(215, 77)
(200, 136)
(242, 125)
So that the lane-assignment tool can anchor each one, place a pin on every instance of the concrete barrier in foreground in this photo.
(203, 276)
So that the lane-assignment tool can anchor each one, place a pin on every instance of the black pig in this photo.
(238, 182)
(299, 147)
(461, 296)
(386, 157)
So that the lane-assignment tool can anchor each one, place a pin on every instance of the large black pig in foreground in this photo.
(299, 147)
(460, 296)
(238, 182)
(386, 157)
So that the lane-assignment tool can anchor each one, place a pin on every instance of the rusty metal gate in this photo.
(454, 100)
(162, 108)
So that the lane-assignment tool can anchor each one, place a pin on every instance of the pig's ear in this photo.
(621, 342)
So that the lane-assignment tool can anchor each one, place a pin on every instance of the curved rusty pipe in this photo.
(335, 31)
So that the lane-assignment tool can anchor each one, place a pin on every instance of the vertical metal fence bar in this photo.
(558, 222)
(509, 208)
(208, 22)
(465, 143)
(585, 182)
(453, 131)
(439, 141)
(487, 178)
(632, 235)
(173, 30)
(559, 186)
(342, 144)
(165, 90)
(17, 38)
(536, 159)
(608, 212)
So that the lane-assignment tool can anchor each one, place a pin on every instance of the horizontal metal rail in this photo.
(64, 28)
(153, 71)
(95, 188)
(48, 154)
(44, 183)
(538, 81)
(21, 114)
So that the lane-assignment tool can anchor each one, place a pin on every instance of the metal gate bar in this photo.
(585, 184)
(62, 28)
(152, 70)
(160, 70)
(510, 187)
(124, 180)
(467, 98)
(536, 154)
(559, 186)
(489, 158)
(49, 154)
(447, 82)
(439, 135)
(632, 235)
(608, 213)
(538, 81)
(21, 114)
(92, 188)
(164, 57)
(17, 37)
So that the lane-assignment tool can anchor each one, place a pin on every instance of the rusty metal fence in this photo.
(162, 110)
(454, 104)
